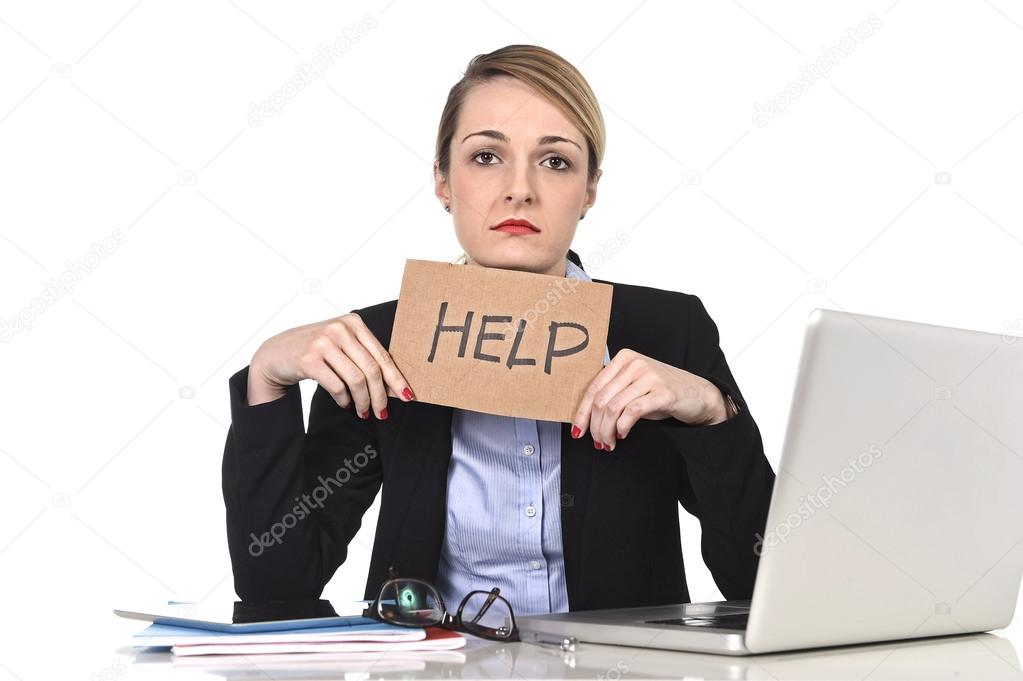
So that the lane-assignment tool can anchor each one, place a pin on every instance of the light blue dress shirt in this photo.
(503, 524)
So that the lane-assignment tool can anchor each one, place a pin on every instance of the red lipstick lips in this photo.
(516, 226)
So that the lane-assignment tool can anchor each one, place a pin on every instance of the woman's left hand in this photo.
(633, 386)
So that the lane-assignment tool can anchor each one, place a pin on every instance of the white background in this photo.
(890, 187)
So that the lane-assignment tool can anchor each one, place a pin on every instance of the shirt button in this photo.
(528, 450)
(535, 564)
(530, 511)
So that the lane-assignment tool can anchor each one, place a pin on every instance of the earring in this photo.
(447, 208)
(582, 216)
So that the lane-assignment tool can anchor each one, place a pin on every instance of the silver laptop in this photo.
(897, 509)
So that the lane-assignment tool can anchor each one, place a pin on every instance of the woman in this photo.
(470, 500)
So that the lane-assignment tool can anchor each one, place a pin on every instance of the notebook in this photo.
(375, 637)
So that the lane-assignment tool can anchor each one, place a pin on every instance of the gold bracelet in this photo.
(731, 409)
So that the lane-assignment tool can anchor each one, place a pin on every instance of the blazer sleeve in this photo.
(725, 480)
(294, 499)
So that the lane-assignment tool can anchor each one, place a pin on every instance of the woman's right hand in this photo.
(340, 354)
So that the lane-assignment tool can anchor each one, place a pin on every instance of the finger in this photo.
(371, 370)
(337, 362)
(351, 374)
(583, 414)
(324, 374)
(601, 419)
(624, 410)
(395, 381)
(634, 411)
(581, 418)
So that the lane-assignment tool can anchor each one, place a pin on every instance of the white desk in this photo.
(979, 656)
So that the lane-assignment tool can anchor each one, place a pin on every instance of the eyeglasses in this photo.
(408, 602)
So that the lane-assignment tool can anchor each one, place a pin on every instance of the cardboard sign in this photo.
(499, 341)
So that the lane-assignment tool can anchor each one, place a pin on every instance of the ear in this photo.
(591, 191)
(440, 185)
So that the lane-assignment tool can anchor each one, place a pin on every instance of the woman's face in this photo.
(529, 163)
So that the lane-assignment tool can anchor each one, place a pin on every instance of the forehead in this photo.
(514, 108)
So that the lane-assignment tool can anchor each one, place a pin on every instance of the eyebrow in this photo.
(498, 135)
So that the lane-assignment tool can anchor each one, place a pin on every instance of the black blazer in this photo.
(619, 511)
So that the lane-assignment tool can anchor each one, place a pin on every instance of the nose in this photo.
(521, 188)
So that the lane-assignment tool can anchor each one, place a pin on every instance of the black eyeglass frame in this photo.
(446, 619)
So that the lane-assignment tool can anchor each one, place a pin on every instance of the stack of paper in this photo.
(375, 637)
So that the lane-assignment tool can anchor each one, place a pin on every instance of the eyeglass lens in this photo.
(411, 602)
(486, 614)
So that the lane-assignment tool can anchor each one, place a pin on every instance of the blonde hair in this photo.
(551, 76)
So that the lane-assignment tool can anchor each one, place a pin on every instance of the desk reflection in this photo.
(976, 656)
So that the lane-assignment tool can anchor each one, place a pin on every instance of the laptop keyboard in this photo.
(723, 621)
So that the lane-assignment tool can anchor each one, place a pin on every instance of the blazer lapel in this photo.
(577, 458)
(576, 467)
(420, 486)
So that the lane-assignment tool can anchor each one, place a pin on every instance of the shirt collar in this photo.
(573, 271)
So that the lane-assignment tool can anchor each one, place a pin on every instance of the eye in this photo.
(480, 154)
(562, 164)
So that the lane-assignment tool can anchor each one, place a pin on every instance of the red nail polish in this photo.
(364, 415)
(407, 394)
(576, 432)
(383, 414)
(597, 445)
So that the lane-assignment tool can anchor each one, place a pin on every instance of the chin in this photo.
(517, 265)
(522, 263)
